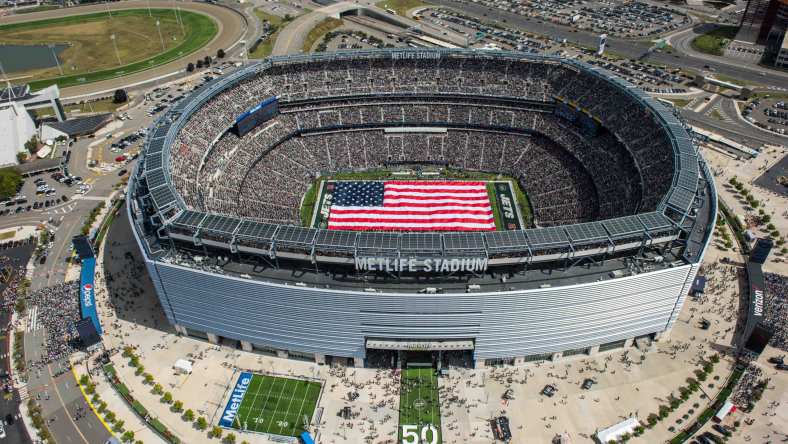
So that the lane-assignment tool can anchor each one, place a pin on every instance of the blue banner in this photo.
(87, 292)
(234, 403)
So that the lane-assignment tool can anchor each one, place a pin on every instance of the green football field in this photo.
(280, 406)
(419, 404)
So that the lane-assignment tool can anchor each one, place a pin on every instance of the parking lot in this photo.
(643, 74)
(769, 114)
(617, 18)
(42, 191)
(481, 35)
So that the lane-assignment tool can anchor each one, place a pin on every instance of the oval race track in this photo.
(232, 26)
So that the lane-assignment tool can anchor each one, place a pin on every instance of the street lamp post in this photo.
(115, 45)
(161, 39)
(54, 56)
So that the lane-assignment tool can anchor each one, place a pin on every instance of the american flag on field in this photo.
(399, 205)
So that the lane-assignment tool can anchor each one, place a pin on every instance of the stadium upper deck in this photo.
(184, 155)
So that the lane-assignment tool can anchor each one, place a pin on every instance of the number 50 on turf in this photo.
(410, 435)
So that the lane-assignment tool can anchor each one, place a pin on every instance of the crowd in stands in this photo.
(775, 306)
(324, 127)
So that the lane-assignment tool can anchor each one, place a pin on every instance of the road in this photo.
(54, 387)
(232, 28)
(9, 403)
(634, 49)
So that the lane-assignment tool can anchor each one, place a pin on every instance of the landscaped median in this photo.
(138, 408)
(707, 414)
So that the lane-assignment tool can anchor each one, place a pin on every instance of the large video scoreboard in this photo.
(262, 112)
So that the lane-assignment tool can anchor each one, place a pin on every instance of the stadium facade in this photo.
(584, 280)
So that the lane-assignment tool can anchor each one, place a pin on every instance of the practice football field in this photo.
(280, 406)
(419, 404)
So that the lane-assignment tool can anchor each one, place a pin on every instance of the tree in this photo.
(202, 424)
(199, 64)
(188, 415)
(216, 432)
(220, 54)
(167, 397)
(32, 145)
(21, 157)
(10, 182)
(207, 61)
(148, 378)
(177, 406)
(157, 389)
(128, 436)
(118, 427)
(110, 416)
(190, 67)
(83, 380)
(120, 96)
(230, 438)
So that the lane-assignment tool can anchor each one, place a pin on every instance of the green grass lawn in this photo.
(91, 54)
(36, 9)
(419, 403)
(321, 29)
(401, 7)
(714, 42)
(680, 103)
(277, 405)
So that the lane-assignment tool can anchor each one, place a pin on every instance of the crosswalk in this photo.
(63, 210)
(32, 319)
(23, 392)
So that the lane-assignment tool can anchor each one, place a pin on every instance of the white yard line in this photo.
(278, 399)
(287, 413)
(303, 399)
(257, 392)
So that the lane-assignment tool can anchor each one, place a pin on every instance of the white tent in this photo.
(183, 366)
(614, 432)
(16, 128)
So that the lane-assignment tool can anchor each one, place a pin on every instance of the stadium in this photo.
(262, 206)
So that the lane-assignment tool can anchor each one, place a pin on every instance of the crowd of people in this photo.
(749, 387)
(776, 309)
(568, 176)
(57, 311)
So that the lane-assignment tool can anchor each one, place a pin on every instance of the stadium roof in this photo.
(81, 125)
(679, 199)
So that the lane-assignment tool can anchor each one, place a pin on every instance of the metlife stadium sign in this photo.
(87, 292)
(230, 413)
(426, 265)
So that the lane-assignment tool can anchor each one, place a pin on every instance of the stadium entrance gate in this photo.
(396, 353)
